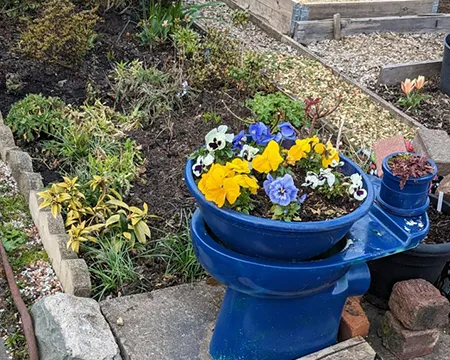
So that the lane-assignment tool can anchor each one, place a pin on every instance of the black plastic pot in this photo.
(445, 70)
(427, 261)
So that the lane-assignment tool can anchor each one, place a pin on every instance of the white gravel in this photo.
(362, 56)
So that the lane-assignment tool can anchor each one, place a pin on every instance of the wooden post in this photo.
(337, 26)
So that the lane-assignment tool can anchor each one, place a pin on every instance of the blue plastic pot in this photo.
(412, 200)
(273, 239)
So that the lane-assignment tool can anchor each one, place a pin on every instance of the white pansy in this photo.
(202, 163)
(217, 138)
(360, 194)
(328, 176)
(356, 180)
(311, 180)
(335, 163)
(248, 152)
(356, 187)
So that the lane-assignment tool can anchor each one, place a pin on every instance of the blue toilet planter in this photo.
(283, 301)
(412, 200)
(273, 239)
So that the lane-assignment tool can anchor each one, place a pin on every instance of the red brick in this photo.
(385, 147)
(404, 343)
(418, 305)
(354, 321)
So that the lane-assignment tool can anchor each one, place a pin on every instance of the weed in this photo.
(60, 34)
(27, 256)
(11, 207)
(211, 117)
(186, 41)
(240, 17)
(36, 117)
(12, 237)
(17, 343)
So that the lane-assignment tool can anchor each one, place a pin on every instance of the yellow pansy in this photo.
(218, 184)
(240, 166)
(328, 152)
(248, 182)
(312, 141)
(298, 151)
(269, 160)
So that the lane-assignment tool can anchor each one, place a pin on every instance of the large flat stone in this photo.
(72, 328)
(168, 324)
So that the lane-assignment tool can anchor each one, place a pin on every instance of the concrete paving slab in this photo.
(169, 324)
(441, 352)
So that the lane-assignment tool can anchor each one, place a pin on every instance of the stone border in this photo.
(72, 271)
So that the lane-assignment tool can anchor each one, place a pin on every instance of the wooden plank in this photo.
(337, 26)
(352, 349)
(277, 35)
(276, 13)
(316, 30)
(395, 73)
(361, 9)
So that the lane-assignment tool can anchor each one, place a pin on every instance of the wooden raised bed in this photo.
(393, 74)
(283, 15)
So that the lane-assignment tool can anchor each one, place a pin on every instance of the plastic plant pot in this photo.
(273, 239)
(445, 70)
(410, 201)
(426, 261)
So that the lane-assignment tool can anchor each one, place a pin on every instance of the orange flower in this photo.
(408, 86)
(420, 81)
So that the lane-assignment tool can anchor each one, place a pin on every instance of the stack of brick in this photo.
(354, 321)
(417, 310)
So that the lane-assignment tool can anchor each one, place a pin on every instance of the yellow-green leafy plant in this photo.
(109, 214)
(60, 34)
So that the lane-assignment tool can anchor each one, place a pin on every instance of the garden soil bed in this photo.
(433, 112)
(439, 225)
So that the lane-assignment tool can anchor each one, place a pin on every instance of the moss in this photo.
(25, 257)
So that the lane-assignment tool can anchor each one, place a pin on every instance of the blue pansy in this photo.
(287, 131)
(239, 141)
(261, 134)
(282, 190)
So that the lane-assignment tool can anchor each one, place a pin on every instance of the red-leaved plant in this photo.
(409, 166)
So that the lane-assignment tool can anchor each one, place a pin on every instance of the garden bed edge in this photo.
(72, 271)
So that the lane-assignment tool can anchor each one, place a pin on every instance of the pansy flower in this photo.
(248, 182)
(248, 152)
(261, 134)
(239, 166)
(220, 184)
(269, 160)
(328, 152)
(356, 187)
(282, 190)
(239, 141)
(325, 175)
(311, 180)
(287, 131)
(201, 164)
(298, 151)
(217, 138)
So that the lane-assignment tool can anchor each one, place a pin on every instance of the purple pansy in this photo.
(302, 199)
(282, 190)
(261, 134)
(287, 131)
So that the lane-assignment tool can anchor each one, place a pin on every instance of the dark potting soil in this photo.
(433, 112)
(439, 226)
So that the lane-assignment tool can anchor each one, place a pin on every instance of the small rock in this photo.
(404, 343)
(418, 305)
(72, 328)
(119, 321)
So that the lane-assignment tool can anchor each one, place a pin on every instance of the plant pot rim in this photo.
(425, 178)
(283, 226)
(447, 41)
(427, 250)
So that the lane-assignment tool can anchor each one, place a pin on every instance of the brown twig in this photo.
(27, 322)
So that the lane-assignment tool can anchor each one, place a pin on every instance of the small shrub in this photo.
(186, 41)
(147, 90)
(240, 17)
(409, 166)
(60, 34)
(274, 108)
(248, 75)
(36, 117)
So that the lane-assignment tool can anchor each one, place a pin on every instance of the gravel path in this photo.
(362, 56)
(34, 274)
(365, 121)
